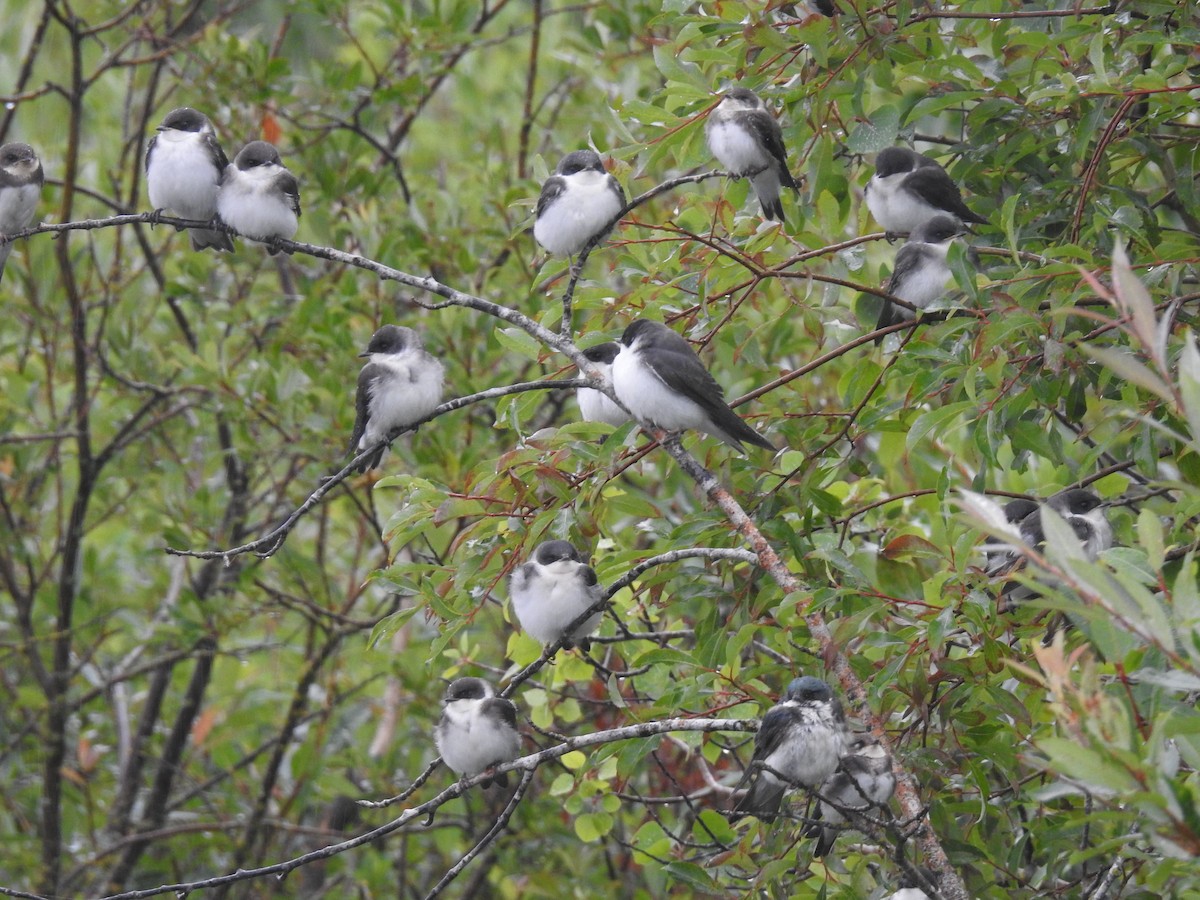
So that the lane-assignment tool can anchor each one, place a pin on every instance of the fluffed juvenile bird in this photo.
(594, 405)
(921, 273)
(660, 379)
(259, 197)
(909, 188)
(747, 140)
(184, 166)
(863, 780)
(578, 202)
(553, 589)
(401, 384)
(799, 744)
(21, 180)
(478, 730)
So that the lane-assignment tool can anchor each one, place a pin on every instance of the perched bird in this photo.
(909, 188)
(21, 180)
(551, 591)
(799, 744)
(863, 780)
(594, 405)
(578, 202)
(1081, 509)
(400, 385)
(478, 730)
(660, 379)
(912, 883)
(921, 273)
(747, 140)
(259, 197)
(184, 165)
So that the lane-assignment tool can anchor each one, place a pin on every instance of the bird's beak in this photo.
(364, 354)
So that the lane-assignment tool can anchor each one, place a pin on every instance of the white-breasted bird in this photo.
(577, 203)
(908, 188)
(799, 743)
(553, 589)
(400, 384)
(747, 140)
(663, 383)
(184, 168)
(478, 730)
(259, 197)
(21, 180)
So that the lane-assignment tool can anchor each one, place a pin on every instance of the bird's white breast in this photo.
(595, 406)
(735, 148)
(926, 283)
(469, 742)
(17, 205)
(250, 202)
(809, 753)
(412, 393)
(546, 599)
(578, 214)
(649, 399)
(895, 208)
(182, 177)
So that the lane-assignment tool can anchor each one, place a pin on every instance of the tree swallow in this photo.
(551, 591)
(799, 744)
(21, 180)
(259, 197)
(478, 730)
(401, 384)
(577, 203)
(661, 380)
(594, 405)
(747, 140)
(184, 165)
(909, 188)
(921, 274)
(1080, 508)
(863, 780)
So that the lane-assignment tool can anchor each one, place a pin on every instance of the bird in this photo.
(553, 589)
(921, 273)
(909, 188)
(747, 140)
(184, 165)
(21, 180)
(259, 197)
(864, 779)
(594, 405)
(799, 744)
(579, 202)
(400, 384)
(997, 554)
(477, 730)
(1083, 510)
(661, 381)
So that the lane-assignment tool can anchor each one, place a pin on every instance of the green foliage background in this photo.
(166, 398)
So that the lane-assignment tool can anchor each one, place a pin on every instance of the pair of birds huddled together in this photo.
(187, 173)
(655, 374)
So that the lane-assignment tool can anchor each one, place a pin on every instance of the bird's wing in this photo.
(362, 401)
(291, 189)
(214, 149)
(502, 709)
(767, 132)
(772, 732)
(908, 260)
(935, 185)
(615, 187)
(551, 190)
(150, 149)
